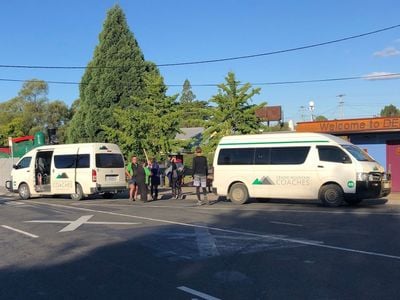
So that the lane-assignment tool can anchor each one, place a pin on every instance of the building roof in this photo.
(189, 133)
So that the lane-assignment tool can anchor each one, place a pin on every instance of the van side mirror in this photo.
(15, 167)
(346, 160)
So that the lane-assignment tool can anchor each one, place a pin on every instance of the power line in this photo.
(394, 75)
(214, 60)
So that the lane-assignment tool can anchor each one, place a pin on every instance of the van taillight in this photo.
(94, 175)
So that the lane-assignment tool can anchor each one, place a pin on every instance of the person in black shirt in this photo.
(200, 172)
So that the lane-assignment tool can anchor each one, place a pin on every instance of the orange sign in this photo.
(351, 125)
(269, 113)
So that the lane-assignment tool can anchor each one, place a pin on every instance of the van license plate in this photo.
(111, 178)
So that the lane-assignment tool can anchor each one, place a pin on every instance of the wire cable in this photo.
(372, 77)
(214, 60)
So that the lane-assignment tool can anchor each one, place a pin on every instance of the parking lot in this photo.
(173, 249)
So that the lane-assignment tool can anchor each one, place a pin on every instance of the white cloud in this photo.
(381, 76)
(389, 51)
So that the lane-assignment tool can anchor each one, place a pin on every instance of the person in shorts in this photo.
(200, 172)
(131, 172)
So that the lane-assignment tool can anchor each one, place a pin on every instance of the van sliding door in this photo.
(63, 171)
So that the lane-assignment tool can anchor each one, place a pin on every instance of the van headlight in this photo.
(362, 176)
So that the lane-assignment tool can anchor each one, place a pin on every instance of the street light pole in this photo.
(311, 107)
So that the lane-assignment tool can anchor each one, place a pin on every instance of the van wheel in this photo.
(108, 195)
(78, 195)
(331, 195)
(23, 191)
(238, 193)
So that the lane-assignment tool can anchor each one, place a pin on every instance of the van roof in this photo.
(285, 137)
(98, 146)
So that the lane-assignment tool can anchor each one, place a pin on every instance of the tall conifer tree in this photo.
(113, 78)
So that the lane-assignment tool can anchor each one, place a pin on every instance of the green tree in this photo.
(321, 118)
(31, 111)
(192, 113)
(113, 78)
(390, 111)
(187, 95)
(34, 94)
(152, 125)
(233, 113)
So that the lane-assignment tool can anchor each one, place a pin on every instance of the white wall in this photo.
(5, 169)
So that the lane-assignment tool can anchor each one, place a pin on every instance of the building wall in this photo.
(5, 169)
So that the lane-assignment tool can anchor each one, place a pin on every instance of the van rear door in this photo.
(63, 172)
(110, 170)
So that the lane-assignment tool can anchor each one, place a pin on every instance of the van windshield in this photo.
(109, 160)
(358, 153)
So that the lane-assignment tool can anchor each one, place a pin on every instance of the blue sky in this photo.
(65, 33)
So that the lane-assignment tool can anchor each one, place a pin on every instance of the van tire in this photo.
(238, 193)
(331, 195)
(24, 192)
(78, 195)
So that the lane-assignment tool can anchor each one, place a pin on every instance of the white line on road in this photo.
(283, 223)
(20, 231)
(237, 208)
(197, 293)
(75, 224)
(261, 236)
(79, 222)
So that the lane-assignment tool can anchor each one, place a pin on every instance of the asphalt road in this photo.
(54, 248)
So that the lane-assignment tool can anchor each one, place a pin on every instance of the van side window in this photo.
(289, 155)
(24, 163)
(243, 156)
(333, 154)
(263, 156)
(83, 161)
(65, 161)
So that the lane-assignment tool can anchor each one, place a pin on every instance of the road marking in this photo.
(283, 223)
(197, 293)
(20, 231)
(261, 236)
(79, 222)
(76, 224)
(205, 242)
(234, 208)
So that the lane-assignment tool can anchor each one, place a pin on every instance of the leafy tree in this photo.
(152, 125)
(233, 114)
(114, 78)
(321, 118)
(31, 112)
(390, 111)
(34, 94)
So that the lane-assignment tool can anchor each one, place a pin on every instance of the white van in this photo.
(296, 166)
(76, 169)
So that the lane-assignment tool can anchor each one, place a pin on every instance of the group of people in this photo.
(147, 173)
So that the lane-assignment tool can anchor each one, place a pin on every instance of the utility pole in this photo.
(341, 102)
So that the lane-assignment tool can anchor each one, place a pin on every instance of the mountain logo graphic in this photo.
(264, 180)
(62, 175)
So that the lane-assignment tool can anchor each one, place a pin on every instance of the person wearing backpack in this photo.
(176, 178)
